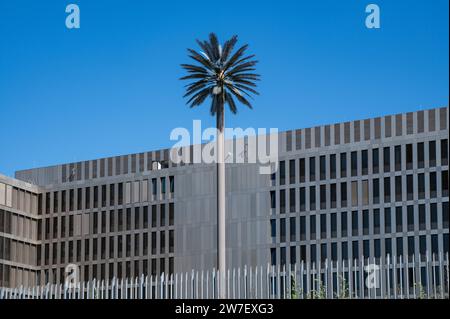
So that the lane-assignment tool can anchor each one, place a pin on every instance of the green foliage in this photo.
(220, 74)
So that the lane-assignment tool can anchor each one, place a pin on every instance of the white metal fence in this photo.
(392, 278)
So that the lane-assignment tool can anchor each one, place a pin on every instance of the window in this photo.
(344, 194)
(171, 241)
(444, 182)
(365, 222)
(120, 224)
(302, 228)
(420, 155)
(163, 185)
(292, 200)
(322, 167)
(354, 186)
(171, 213)
(333, 195)
(344, 223)
(409, 187)
(344, 249)
(323, 197)
(433, 184)
(111, 247)
(313, 253)
(387, 220)
(282, 172)
(386, 159)
(343, 164)
(302, 199)
(312, 227)
(445, 214)
(272, 200)
(128, 217)
(292, 229)
(377, 246)
(375, 161)
(292, 171)
(312, 168)
(302, 170)
(120, 193)
(162, 212)
(103, 196)
(354, 163)
(111, 195)
(387, 189)
(410, 246)
(87, 195)
(421, 183)
(273, 256)
(333, 225)
(376, 190)
(323, 226)
(398, 219)
(55, 202)
(323, 253)
(282, 201)
(388, 247)
(398, 157)
(409, 156)
(366, 249)
(399, 247)
(376, 221)
(303, 253)
(422, 247)
(433, 216)
(434, 246)
(333, 166)
(293, 255)
(365, 192)
(422, 217)
(137, 218)
(171, 184)
(444, 152)
(365, 162)
(312, 197)
(398, 188)
(355, 223)
(63, 201)
(410, 217)
(432, 153)
(355, 250)
(95, 196)
(282, 230)
(154, 187)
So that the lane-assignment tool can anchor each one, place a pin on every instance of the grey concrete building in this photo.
(373, 187)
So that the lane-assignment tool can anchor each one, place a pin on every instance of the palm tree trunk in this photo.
(221, 221)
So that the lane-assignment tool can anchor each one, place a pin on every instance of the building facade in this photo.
(366, 188)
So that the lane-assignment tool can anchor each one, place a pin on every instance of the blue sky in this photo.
(111, 87)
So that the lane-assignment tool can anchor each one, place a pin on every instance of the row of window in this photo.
(17, 251)
(404, 189)
(359, 162)
(106, 195)
(360, 223)
(16, 276)
(129, 219)
(94, 249)
(17, 198)
(18, 225)
(417, 246)
(103, 271)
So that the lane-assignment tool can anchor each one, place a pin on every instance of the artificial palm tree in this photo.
(223, 76)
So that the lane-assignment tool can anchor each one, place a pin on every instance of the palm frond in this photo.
(221, 74)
